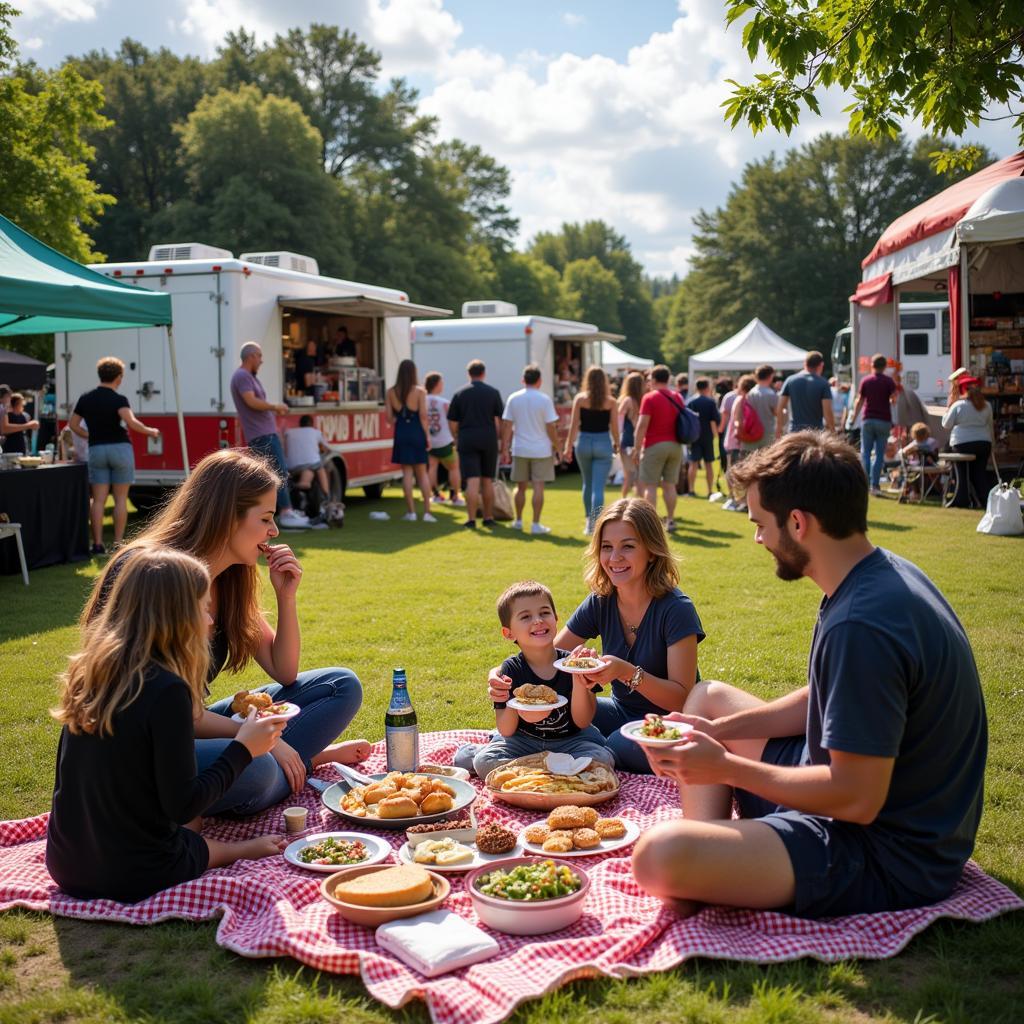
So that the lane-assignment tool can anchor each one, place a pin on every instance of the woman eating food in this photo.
(126, 783)
(224, 515)
(649, 629)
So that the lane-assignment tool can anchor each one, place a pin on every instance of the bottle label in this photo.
(403, 747)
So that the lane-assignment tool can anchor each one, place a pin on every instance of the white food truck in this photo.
(922, 350)
(218, 303)
(494, 332)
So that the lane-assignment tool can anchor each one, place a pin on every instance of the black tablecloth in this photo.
(52, 505)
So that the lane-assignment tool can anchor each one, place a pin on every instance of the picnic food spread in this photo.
(655, 727)
(262, 702)
(535, 693)
(335, 851)
(543, 880)
(399, 795)
(537, 779)
(392, 887)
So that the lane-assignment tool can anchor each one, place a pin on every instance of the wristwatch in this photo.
(636, 679)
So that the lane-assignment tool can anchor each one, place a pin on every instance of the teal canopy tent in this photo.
(44, 292)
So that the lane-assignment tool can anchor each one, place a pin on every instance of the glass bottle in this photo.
(401, 733)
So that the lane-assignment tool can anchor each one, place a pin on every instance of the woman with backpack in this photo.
(746, 426)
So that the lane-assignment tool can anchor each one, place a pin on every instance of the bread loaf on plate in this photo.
(393, 887)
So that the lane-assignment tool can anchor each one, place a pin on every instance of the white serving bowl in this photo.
(523, 917)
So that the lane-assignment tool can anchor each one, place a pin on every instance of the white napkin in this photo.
(565, 764)
(436, 942)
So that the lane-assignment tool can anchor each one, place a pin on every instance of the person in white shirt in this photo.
(440, 443)
(529, 434)
(303, 446)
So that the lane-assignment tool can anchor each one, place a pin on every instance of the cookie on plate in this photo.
(585, 838)
(537, 832)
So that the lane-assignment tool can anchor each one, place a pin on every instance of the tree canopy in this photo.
(947, 63)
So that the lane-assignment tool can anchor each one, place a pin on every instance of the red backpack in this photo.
(751, 428)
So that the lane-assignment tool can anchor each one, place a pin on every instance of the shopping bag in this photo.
(1002, 514)
(502, 501)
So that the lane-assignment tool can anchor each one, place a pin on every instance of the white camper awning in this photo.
(360, 305)
(589, 336)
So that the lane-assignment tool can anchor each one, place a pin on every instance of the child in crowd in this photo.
(440, 443)
(303, 446)
(127, 798)
(923, 450)
(528, 619)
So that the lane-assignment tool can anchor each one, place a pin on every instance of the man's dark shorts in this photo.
(835, 868)
(702, 451)
(478, 453)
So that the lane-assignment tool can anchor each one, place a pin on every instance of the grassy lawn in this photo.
(375, 595)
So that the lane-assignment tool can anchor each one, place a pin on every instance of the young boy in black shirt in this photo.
(528, 618)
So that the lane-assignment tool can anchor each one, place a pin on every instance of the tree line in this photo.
(297, 144)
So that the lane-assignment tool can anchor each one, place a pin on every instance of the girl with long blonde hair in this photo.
(126, 784)
(649, 628)
(594, 435)
(224, 515)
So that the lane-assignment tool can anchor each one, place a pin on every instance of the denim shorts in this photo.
(111, 463)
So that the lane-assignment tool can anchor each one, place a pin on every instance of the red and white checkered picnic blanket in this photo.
(270, 908)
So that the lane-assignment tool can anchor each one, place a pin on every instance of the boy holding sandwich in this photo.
(527, 614)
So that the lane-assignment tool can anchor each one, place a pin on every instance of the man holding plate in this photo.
(862, 791)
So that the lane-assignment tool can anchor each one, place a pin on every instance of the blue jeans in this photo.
(873, 435)
(594, 457)
(610, 717)
(269, 445)
(483, 758)
(329, 698)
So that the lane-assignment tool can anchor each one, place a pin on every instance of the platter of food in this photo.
(372, 895)
(574, 831)
(528, 782)
(326, 852)
(655, 731)
(458, 845)
(535, 697)
(266, 708)
(395, 800)
(528, 896)
(582, 665)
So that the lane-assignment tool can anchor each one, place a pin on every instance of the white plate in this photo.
(517, 705)
(562, 667)
(293, 710)
(607, 845)
(630, 731)
(377, 848)
(479, 859)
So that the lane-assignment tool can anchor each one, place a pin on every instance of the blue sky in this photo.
(605, 109)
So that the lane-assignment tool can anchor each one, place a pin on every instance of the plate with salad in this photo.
(328, 852)
(655, 731)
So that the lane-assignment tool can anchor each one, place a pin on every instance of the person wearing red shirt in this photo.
(661, 453)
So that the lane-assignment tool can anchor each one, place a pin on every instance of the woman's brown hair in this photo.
(153, 614)
(635, 386)
(405, 380)
(662, 573)
(596, 386)
(978, 400)
(199, 519)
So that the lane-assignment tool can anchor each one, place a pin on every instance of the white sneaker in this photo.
(729, 506)
(409, 517)
(291, 520)
(517, 524)
(588, 530)
(428, 518)
(540, 528)
(458, 502)
(717, 496)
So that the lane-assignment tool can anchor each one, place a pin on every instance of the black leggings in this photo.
(976, 472)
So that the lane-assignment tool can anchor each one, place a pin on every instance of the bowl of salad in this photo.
(528, 895)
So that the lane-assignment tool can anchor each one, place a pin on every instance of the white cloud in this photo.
(207, 22)
(63, 10)
(413, 35)
(573, 20)
(32, 44)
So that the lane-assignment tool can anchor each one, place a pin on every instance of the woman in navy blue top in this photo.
(649, 629)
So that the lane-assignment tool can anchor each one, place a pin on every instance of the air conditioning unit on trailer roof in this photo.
(168, 251)
(489, 307)
(284, 260)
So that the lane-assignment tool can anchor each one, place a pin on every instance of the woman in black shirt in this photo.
(594, 433)
(126, 786)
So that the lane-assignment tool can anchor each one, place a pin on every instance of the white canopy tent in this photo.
(746, 349)
(615, 360)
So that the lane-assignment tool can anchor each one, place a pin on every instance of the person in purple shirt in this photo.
(876, 396)
(259, 428)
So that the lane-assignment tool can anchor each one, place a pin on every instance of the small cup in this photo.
(295, 819)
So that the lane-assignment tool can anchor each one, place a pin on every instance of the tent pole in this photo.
(177, 398)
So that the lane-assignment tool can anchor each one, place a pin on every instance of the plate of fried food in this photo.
(266, 708)
(453, 846)
(575, 831)
(580, 664)
(535, 697)
(396, 800)
(529, 782)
